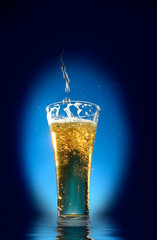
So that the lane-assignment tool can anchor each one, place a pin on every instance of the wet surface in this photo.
(96, 229)
(47, 229)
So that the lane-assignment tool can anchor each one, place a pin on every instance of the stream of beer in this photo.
(65, 76)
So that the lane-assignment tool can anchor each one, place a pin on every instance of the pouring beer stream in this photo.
(73, 127)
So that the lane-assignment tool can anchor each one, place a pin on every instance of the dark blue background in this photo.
(124, 36)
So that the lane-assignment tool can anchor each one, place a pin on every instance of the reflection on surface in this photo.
(71, 233)
(48, 230)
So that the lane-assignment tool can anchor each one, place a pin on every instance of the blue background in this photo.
(111, 44)
(113, 140)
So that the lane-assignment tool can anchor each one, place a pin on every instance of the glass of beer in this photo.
(73, 126)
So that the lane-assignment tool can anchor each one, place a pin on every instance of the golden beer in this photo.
(73, 142)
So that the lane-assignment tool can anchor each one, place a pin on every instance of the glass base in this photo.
(73, 220)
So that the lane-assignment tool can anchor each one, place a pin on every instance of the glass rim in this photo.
(73, 101)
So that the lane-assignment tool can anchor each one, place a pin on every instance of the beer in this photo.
(73, 141)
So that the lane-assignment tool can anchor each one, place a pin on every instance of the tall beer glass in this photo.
(73, 127)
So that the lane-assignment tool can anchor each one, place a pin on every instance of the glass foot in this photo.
(73, 220)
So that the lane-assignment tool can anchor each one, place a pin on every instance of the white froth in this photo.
(67, 110)
(77, 106)
(69, 120)
(53, 114)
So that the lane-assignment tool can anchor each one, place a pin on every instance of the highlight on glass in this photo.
(73, 127)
